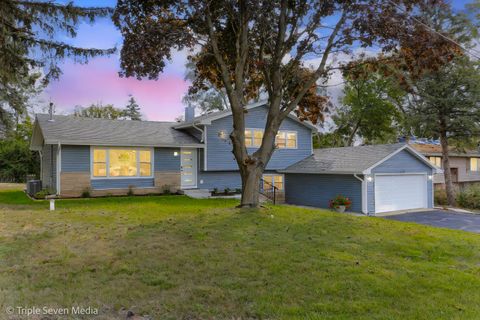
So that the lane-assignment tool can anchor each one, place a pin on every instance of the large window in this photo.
(436, 161)
(283, 140)
(474, 163)
(122, 162)
(270, 180)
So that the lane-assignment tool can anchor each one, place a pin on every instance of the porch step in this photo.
(197, 193)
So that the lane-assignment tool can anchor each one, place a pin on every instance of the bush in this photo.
(130, 191)
(86, 193)
(227, 190)
(215, 190)
(166, 189)
(440, 197)
(340, 201)
(238, 191)
(469, 197)
(42, 194)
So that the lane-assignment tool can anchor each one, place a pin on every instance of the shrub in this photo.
(215, 190)
(86, 193)
(469, 197)
(130, 191)
(238, 190)
(440, 197)
(340, 201)
(42, 194)
(227, 190)
(166, 189)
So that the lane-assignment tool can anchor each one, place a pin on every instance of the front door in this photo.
(188, 169)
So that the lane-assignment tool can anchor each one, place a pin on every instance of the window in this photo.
(474, 164)
(122, 162)
(99, 163)
(283, 140)
(270, 180)
(286, 140)
(253, 137)
(436, 161)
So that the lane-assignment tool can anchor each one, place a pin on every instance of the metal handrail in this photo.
(266, 194)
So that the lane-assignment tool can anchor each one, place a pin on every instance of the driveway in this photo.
(442, 218)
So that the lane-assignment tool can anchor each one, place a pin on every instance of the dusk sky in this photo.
(98, 81)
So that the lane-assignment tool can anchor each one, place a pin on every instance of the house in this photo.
(464, 166)
(110, 157)
(114, 157)
(377, 178)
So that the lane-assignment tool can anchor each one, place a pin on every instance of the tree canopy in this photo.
(30, 49)
(283, 48)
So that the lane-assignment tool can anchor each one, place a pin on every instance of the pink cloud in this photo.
(98, 81)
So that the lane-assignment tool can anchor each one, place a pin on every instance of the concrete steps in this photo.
(197, 193)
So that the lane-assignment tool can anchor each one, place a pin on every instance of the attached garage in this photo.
(377, 179)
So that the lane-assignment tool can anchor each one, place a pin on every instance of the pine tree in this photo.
(30, 51)
(132, 110)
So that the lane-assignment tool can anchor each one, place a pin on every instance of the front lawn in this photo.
(176, 258)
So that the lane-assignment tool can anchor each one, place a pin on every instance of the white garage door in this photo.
(400, 192)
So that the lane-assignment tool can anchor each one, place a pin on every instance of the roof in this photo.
(207, 119)
(436, 150)
(350, 160)
(92, 131)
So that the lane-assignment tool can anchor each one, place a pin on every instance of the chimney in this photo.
(189, 113)
(50, 112)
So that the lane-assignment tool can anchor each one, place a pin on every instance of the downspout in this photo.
(364, 194)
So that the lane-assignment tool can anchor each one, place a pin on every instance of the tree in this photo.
(132, 110)
(99, 111)
(29, 51)
(445, 105)
(207, 98)
(369, 110)
(16, 158)
(248, 46)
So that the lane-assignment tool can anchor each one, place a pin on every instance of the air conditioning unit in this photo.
(34, 186)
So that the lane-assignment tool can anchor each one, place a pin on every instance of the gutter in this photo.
(201, 131)
(364, 194)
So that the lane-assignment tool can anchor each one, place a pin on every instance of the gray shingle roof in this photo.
(88, 131)
(344, 160)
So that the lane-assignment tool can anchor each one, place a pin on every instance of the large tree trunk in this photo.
(251, 176)
(446, 166)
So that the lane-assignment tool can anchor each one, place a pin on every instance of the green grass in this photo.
(172, 257)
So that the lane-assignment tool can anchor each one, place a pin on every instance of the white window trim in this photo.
(279, 131)
(273, 175)
(107, 161)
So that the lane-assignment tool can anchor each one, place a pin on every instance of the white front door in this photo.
(400, 192)
(188, 169)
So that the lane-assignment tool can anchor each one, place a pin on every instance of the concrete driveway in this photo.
(442, 218)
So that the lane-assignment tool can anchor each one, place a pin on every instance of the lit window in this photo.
(253, 137)
(436, 161)
(474, 164)
(123, 163)
(115, 162)
(270, 180)
(145, 163)
(100, 163)
(286, 140)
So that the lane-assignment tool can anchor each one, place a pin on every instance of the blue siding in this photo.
(220, 180)
(219, 152)
(317, 190)
(165, 159)
(75, 158)
(402, 162)
(122, 183)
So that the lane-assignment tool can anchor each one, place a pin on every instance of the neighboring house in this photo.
(377, 178)
(464, 166)
(113, 156)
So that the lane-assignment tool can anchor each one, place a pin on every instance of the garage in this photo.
(376, 178)
(400, 192)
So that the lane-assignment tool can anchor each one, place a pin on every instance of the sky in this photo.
(98, 81)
